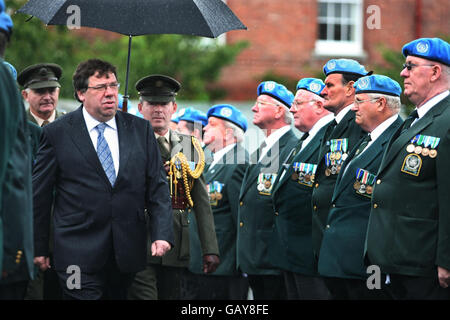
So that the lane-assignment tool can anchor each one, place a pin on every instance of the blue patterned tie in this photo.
(104, 154)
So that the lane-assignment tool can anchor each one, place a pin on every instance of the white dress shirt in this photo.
(110, 135)
(218, 155)
(272, 139)
(430, 104)
(316, 128)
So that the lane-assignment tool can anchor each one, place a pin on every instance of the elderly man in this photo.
(41, 91)
(223, 135)
(377, 104)
(165, 278)
(292, 192)
(409, 226)
(256, 215)
(341, 136)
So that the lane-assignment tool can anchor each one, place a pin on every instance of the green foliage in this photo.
(196, 63)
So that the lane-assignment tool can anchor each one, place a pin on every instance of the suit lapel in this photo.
(125, 142)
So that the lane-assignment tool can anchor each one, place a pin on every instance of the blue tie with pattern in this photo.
(104, 154)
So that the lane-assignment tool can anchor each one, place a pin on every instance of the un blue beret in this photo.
(176, 116)
(378, 84)
(2, 6)
(11, 69)
(229, 113)
(348, 66)
(276, 91)
(434, 49)
(194, 115)
(6, 23)
(312, 85)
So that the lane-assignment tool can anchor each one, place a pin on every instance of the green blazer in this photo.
(409, 224)
(225, 210)
(324, 186)
(179, 255)
(292, 206)
(256, 215)
(32, 119)
(342, 250)
(16, 202)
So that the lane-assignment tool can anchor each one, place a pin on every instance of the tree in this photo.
(195, 64)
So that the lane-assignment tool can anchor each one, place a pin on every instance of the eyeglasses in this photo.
(358, 102)
(42, 91)
(296, 103)
(410, 65)
(102, 87)
(260, 103)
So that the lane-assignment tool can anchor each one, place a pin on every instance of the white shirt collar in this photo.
(431, 103)
(273, 138)
(378, 131)
(40, 120)
(91, 123)
(218, 155)
(342, 113)
(316, 128)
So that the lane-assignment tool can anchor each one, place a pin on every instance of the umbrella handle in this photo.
(125, 96)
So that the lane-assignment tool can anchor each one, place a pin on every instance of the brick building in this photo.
(294, 38)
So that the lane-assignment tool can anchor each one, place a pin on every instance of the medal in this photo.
(260, 187)
(418, 150)
(357, 185)
(410, 148)
(294, 176)
(327, 172)
(338, 168)
(332, 156)
(337, 156)
(212, 196)
(433, 153)
(344, 156)
(218, 196)
(369, 190)
(362, 188)
(307, 178)
(425, 152)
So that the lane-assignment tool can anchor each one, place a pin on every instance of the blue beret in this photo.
(2, 6)
(312, 85)
(194, 115)
(130, 107)
(276, 91)
(6, 23)
(176, 116)
(378, 84)
(11, 68)
(434, 49)
(229, 113)
(345, 66)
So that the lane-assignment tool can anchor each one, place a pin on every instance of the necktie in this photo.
(330, 128)
(164, 148)
(363, 144)
(408, 122)
(294, 151)
(45, 123)
(104, 154)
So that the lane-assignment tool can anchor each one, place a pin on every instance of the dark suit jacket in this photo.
(409, 225)
(92, 219)
(180, 255)
(16, 216)
(292, 206)
(342, 250)
(324, 186)
(225, 211)
(256, 215)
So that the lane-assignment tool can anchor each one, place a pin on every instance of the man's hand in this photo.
(42, 262)
(444, 277)
(210, 263)
(160, 247)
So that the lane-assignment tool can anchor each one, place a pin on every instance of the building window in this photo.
(339, 31)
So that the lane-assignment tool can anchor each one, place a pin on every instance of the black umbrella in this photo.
(207, 18)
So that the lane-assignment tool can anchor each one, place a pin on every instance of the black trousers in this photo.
(267, 287)
(353, 289)
(13, 290)
(107, 284)
(301, 287)
(415, 288)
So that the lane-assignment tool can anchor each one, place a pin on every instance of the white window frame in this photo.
(342, 48)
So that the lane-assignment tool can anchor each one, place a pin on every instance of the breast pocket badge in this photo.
(364, 182)
(214, 192)
(265, 183)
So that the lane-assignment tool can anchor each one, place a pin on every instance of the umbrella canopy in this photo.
(207, 18)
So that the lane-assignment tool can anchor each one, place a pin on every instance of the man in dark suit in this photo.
(292, 192)
(16, 233)
(165, 278)
(409, 225)
(106, 170)
(341, 136)
(377, 104)
(223, 136)
(256, 215)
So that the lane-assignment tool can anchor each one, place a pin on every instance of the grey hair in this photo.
(238, 132)
(288, 117)
(393, 102)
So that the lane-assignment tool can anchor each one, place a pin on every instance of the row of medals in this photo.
(420, 150)
(334, 169)
(363, 188)
(303, 177)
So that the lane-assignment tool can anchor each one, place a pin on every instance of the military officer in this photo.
(192, 122)
(41, 87)
(409, 225)
(256, 216)
(340, 137)
(41, 91)
(291, 197)
(223, 135)
(377, 104)
(164, 277)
